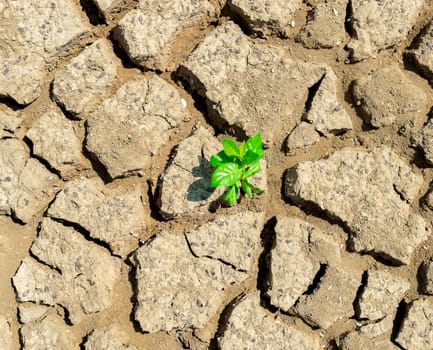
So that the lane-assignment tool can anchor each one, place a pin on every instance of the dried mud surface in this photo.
(110, 237)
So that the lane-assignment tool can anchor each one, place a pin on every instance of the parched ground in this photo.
(112, 238)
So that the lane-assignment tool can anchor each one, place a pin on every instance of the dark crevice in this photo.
(223, 321)
(12, 104)
(191, 84)
(44, 263)
(381, 257)
(120, 52)
(421, 278)
(41, 160)
(86, 234)
(92, 12)
(264, 276)
(347, 19)
(316, 280)
(189, 247)
(359, 293)
(134, 286)
(401, 314)
(312, 90)
(237, 18)
(84, 341)
(153, 193)
(97, 166)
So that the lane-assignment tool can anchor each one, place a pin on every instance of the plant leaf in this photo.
(230, 147)
(242, 149)
(250, 157)
(256, 189)
(231, 195)
(219, 159)
(252, 169)
(254, 143)
(226, 175)
(246, 187)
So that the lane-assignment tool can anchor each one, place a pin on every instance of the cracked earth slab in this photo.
(82, 277)
(54, 139)
(251, 327)
(295, 259)
(175, 289)
(147, 34)
(416, 331)
(378, 25)
(127, 129)
(252, 87)
(374, 208)
(387, 96)
(422, 54)
(109, 216)
(265, 17)
(27, 186)
(85, 81)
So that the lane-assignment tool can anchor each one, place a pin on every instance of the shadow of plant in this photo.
(200, 189)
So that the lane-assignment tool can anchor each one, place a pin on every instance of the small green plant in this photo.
(235, 164)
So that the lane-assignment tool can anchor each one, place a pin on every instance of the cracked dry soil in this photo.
(110, 236)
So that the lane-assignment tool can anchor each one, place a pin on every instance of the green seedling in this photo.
(235, 164)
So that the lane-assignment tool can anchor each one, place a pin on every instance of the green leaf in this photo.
(250, 157)
(256, 189)
(219, 159)
(231, 196)
(252, 169)
(246, 187)
(254, 143)
(242, 149)
(230, 147)
(226, 175)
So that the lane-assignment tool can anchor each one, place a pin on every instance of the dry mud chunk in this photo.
(226, 236)
(369, 191)
(386, 96)
(54, 139)
(110, 338)
(148, 33)
(265, 16)
(108, 7)
(10, 121)
(5, 334)
(127, 129)
(21, 70)
(337, 290)
(82, 85)
(379, 301)
(357, 340)
(185, 185)
(295, 259)
(248, 86)
(115, 218)
(423, 53)
(31, 312)
(427, 277)
(426, 142)
(378, 25)
(303, 135)
(49, 27)
(326, 25)
(175, 289)
(326, 113)
(50, 333)
(417, 329)
(251, 327)
(84, 278)
(26, 186)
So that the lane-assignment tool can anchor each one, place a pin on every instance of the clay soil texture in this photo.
(110, 234)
